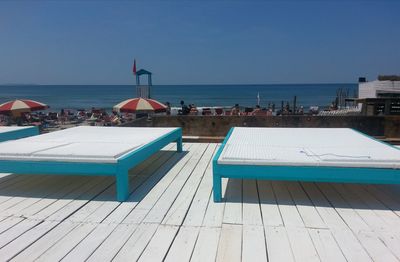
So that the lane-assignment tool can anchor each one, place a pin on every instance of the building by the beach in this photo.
(381, 96)
(383, 87)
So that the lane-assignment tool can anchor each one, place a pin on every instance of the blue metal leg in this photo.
(122, 184)
(217, 187)
(179, 144)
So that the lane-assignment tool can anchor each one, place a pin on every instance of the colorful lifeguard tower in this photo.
(143, 90)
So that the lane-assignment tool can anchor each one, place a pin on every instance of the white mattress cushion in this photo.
(341, 147)
(82, 144)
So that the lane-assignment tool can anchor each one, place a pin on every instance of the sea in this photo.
(106, 96)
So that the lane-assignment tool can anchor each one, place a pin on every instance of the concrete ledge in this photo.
(218, 126)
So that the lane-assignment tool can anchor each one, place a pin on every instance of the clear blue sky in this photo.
(198, 42)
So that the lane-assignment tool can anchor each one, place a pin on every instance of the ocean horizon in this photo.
(225, 95)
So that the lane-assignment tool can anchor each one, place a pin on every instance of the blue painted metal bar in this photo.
(20, 133)
(217, 176)
(119, 169)
(300, 173)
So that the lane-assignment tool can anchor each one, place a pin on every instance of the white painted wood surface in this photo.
(170, 215)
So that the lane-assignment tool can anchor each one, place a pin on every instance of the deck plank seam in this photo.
(346, 223)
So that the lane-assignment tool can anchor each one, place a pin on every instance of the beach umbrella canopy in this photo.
(19, 106)
(140, 105)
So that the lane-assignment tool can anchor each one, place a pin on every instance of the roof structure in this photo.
(143, 72)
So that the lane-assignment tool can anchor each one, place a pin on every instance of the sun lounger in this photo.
(305, 154)
(17, 132)
(95, 151)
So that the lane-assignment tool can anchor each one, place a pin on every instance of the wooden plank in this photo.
(391, 241)
(178, 210)
(91, 214)
(269, 207)
(89, 244)
(206, 246)
(36, 233)
(69, 208)
(7, 187)
(113, 243)
(39, 200)
(230, 243)
(302, 246)
(18, 245)
(12, 195)
(393, 190)
(367, 215)
(159, 244)
(287, 207)
(150, 195)
(251, 204)
(233, 213)
(63, 208)
(154, 174)
(17, 230)
(96, 206)
(215, 211)
(369, 240)
(278, 246)
(350, 245)
(138, 241)
(324, 208)
(388, 200)
(45, 242)
(67, 243)
(48, 202)
(375, 247)
(84, 212)
(254, 245)
(326, 246)
(9, 222)
(16, 181)
(353, 220)
(197, 209)
(161, 207)
(102, 212)
(360, 245)
(306, 209)
(377, 206)
(183, 245)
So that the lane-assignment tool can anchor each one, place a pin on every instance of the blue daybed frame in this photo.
(119, 169)
(19, 133)
(299, 173)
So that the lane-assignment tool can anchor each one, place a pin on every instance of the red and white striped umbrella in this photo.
(140, 105)
(21, 106)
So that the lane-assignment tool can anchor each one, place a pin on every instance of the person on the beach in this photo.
(193, 109)
(168, 110)
(235, 110)
(63, 116)
(185, 109)
(256, 110)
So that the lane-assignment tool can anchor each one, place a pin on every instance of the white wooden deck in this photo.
(170, 216)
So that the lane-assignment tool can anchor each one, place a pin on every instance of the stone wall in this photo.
(219, 125)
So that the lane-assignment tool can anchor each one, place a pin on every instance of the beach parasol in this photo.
(140, 105)
(19, 106)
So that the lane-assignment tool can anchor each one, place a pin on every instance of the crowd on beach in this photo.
(100, 117)
(236, 110)
(67, 117)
